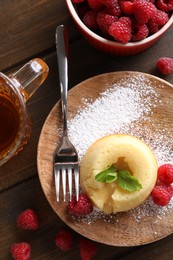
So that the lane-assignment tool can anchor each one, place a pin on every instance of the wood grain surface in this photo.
(27, 31)
(30, 30)
(120, 229)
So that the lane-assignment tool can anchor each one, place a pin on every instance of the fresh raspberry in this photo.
(82, 10)
(143, 11)
(89, 20)
(161, 17)
(126, 7)
(165, 65)
(77, 1)
(116, 11)
(88, 249)
(109, 3)
(140, 32)
(113, 7)
(105, 20)
(95, 4)
(121, 30)
(162, 194)
(157, 21)
(153, 26)
(21, 251)
(165, 5)
(81, 207)
(28, 220)
(64, 240)
(165, 173)
(126, 21)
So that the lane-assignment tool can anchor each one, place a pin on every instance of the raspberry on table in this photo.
(165, 173)
(88, 249)
(28, 220)
(81, 207)
(121, 30)
(21, 251)
(64, 240)
(165, 65)
(162, 194)
(105, 20)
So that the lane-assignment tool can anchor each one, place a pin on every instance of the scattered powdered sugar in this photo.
(126, 107)
(113, 112)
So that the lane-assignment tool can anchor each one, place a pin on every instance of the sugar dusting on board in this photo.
(126, 107)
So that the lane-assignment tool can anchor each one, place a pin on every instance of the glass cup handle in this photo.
(30, 77)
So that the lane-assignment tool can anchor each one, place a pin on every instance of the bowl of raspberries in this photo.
(122, 27)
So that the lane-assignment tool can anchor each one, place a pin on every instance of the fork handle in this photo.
(62, 53)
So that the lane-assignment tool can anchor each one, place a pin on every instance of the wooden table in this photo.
(27, 31)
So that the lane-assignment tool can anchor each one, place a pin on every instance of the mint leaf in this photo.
(108, 175)
(127, 181)
(112, 176)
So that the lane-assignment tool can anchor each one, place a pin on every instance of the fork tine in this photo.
(70, 182)
(64, 183)
(76, 177)
(57, 180)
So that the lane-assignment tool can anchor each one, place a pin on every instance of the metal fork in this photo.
(66, 158)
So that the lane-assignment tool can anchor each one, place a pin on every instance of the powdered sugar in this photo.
(126, 107)
(113, 112)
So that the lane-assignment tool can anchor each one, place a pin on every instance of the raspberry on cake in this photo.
(126, 153)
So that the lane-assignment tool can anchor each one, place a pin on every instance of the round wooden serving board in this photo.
(122, 229)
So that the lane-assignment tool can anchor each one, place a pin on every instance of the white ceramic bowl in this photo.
(113, 47)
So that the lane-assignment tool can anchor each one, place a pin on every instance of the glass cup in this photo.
(15, 90)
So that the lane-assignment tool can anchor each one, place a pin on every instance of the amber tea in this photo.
(15, 90)
(9, 123)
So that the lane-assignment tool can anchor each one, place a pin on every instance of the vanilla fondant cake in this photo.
(124, 152)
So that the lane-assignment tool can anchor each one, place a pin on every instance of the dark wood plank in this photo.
(28, 28)
(161, 250)
(30, 195)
